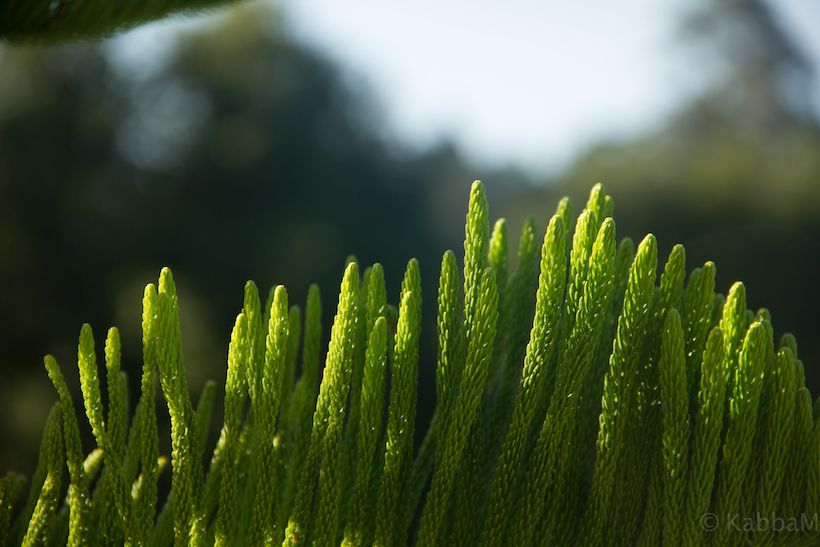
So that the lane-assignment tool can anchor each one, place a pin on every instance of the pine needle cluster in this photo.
(589, 396)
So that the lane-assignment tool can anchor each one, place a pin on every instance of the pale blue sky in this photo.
(526, 82)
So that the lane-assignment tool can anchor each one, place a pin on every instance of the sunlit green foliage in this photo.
(581, 400)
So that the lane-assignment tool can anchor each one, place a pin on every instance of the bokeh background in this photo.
(269, 140)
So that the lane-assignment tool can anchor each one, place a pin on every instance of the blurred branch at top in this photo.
(56, 20)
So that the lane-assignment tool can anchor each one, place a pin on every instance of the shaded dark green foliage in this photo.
(56, 20)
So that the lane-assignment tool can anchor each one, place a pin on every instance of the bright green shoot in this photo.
(586, 394)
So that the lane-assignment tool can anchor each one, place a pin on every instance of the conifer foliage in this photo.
(588, 396)
(60, 20)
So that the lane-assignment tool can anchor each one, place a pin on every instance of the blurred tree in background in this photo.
(248, 156)
(751, 138)
(735, 174)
